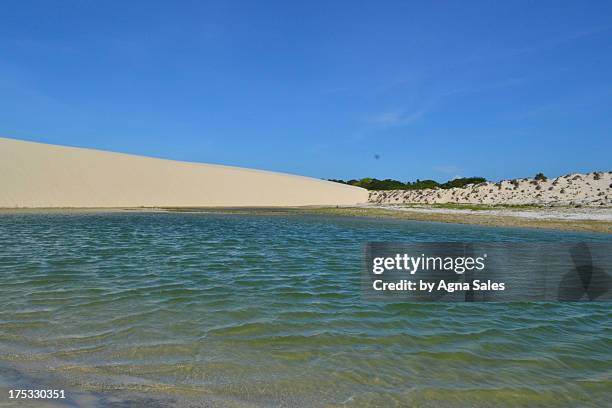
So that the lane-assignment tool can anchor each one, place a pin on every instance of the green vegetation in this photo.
(390, 184)
(540, 177)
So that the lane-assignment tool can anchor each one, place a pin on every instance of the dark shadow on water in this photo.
(585, 279)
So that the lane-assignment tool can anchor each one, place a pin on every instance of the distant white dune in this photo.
(576, 190)
(36, 175)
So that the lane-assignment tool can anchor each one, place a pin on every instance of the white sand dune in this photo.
(36, 175)
(593, 189)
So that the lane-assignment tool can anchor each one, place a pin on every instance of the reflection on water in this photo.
(241, 310)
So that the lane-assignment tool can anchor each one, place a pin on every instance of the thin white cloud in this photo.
(401, 117)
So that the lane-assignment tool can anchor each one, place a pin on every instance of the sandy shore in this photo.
(568, 219)
(537, 213)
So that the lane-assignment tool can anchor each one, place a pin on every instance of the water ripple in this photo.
(266, 311)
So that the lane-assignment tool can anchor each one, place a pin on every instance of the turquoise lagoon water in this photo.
(195, 309)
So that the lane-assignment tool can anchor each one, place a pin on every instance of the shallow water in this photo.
(162, 309)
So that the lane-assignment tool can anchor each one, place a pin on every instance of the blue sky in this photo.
(331, 89)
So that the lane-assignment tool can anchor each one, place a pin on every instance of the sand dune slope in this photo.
(36, 175)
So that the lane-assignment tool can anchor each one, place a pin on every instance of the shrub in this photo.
(390, 184)
(462, 182)
(541, 177)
